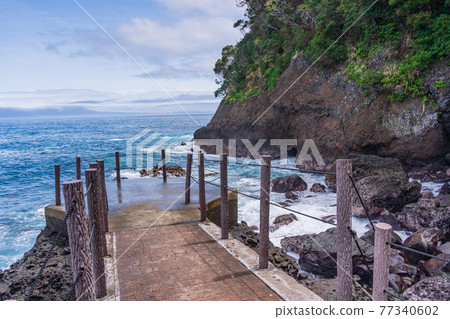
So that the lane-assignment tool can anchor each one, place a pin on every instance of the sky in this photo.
(52, 55)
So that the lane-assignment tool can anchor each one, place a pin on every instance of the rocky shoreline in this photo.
(56, 280)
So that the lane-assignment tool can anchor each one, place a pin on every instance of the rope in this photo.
(418, 252)
(360, 251)
(362, 202)
(394, 296)
(88, 190)
(278, 167)
(72, 290)
(273, 204)
(47, 257)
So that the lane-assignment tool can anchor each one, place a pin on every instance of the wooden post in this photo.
(264, 212)
(93, 165)
(101, 173)
(118, 169)
(164, 169)
(224, 195)
(78, 168)
(187, 193)
(97, 228)
(201, 186)
(57, 185)
(382, 253)
(80, 253)
(344, 224)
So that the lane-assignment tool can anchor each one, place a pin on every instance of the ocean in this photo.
(29, 149)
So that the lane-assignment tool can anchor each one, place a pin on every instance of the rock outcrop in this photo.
(429, 289)
(288, 183)
(323, 106)
(282, 220)
(56, 280)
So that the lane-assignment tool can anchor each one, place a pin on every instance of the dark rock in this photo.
(429, 289)
(369, 237)
(183, 144)
(390, 192)
(330, 181)
(425, 240)
(289, 183)
(254, 227)
(318, 188)
(435, 266)
(56, 280)
(427, 195)
(391, 219)
(396, 283)
(318, 251)
(144, 173)
(291, 195)
(447, 158)
(428, 202)
(285, 203)
(444, 248)
(395, 259)
(172, 171)
(413, 217)
(445, 190)
(277, 256)
(330, 218)
(282, 220)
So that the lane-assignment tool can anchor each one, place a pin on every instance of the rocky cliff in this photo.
(323, 106)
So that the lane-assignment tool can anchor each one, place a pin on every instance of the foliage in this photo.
(412, 34)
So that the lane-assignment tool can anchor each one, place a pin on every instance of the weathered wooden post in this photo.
(187, 193)
(264, 212)
(224, 195)
(201, 186)
(164, 168)
(118, 169)
(57, 185)
(344, 224)
(97, 229)
(80, 253)
(78, 168)
(101, 173)
(93, 165)
(382, 255)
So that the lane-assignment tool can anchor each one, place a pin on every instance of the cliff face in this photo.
(334, 113)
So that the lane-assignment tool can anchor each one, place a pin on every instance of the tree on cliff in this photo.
(416, 33)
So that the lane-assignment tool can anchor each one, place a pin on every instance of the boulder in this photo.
(429, 289)
(445, 190)
(425, 240)
(330, 181)
(426, 195)
(288, 183)
(391, 219)
(282, 220)
(291, 195)
(435, 266)
(396, 283)
(444, 248)
(380, 192)
(413, 217)
(319, 252)
(369, 237)
(318, 188)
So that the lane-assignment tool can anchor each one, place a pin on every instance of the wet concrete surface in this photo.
(146, 202)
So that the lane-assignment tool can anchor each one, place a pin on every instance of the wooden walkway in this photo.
(182, 262)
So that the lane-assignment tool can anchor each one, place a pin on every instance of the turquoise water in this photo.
(29, 149)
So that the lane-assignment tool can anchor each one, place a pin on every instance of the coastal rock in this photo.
(435, 266)
(318, 188)
(427, 195)
(429, 289)
(172, 171)
(396, 282)
(291, 195)
(391, 219)
(330, 181)
(56, 280)
(444, 248)
(318, 251)
(413, 217)
(289, 183)
(277, 256)
(425, 240)
(445, 190)
(369, 237)
(282, 220)
(390, 192)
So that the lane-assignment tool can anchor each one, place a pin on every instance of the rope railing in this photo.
(366, 210)
(49, 253)
(364, 257)
(418, 252)
(271, 203)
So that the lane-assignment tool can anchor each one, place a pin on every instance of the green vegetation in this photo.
(389, 49)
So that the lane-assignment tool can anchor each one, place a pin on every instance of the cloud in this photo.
(191, 35)
(212, 7)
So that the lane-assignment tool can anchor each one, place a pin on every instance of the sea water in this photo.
(30, 148)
